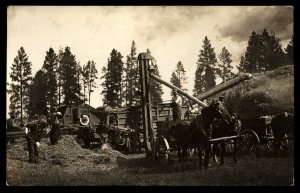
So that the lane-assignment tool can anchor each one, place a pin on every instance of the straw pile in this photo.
(67, 155)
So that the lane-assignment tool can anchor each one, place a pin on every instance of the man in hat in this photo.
(176, 106)
(55, 126)
(34, 132)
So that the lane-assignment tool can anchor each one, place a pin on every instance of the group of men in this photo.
(34, 131)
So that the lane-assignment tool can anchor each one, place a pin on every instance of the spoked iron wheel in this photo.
(248, 143)
(163, 151)
(283, 145)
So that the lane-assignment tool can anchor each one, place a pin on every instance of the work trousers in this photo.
(55, 134)
(176, 112)
(32, 150)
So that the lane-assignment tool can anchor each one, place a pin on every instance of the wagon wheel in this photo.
(283, 145)
(248, 142)
(163, 151)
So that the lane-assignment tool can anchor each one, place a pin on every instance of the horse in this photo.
(229, 126)
(196, 134)
(282, 125)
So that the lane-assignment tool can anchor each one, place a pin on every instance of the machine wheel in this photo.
(86, 136)
(283, 145)
(163, 151)
(87, 142)
(248, 142)
(85, 120)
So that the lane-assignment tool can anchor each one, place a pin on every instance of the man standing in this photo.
(34, 132)
(176, 106)
(55, 126)
(55, 130)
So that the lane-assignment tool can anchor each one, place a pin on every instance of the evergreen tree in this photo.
(131, 78)
(79, 80)
(290, 52)
(178, 76)
(60, 77)
(273, 56)
(155, 87)
(89, 74)
(242, 64)
(224, 66)
(263, 52)
(69, 78)
(253, 54)
(38, 94)
(113, 79)
(104, 84)
(19, 88)
(50, 67)
(205, 73)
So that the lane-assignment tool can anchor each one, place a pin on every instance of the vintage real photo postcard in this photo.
(150, 95)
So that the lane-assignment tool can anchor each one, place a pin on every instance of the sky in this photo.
(172, 33)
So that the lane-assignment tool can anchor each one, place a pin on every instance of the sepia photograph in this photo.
(150, 95)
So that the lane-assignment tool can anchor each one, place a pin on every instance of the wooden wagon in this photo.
(257, 133)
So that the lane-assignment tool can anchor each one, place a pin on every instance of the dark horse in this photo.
(282, 125)
(230, 125)
(197, 133)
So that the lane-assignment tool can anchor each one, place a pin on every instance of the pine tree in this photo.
(21, 79)
(131, 78)
(50, 67)
(263, 52)
(253, 54)
(79, 80)
(242, 64)
(206, 64)
(69, 78)
(224, 66)
(104, 84)
(38, 94)
(290, 52)
(113, 79)
(199, 86)
(89, 75)
(60, 77)
(155, 87)
(178, 77)
(273, 56)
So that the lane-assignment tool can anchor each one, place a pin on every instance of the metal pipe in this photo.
(178, 90)
(230, 83)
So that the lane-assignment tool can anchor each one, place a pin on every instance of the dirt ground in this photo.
(69, 164)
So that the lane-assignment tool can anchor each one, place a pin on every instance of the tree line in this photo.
(63, 81)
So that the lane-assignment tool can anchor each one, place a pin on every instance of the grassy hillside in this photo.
(270, 92)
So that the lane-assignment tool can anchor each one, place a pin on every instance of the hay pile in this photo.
(67, 155)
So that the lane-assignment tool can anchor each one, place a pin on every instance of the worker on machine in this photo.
(176, 105)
